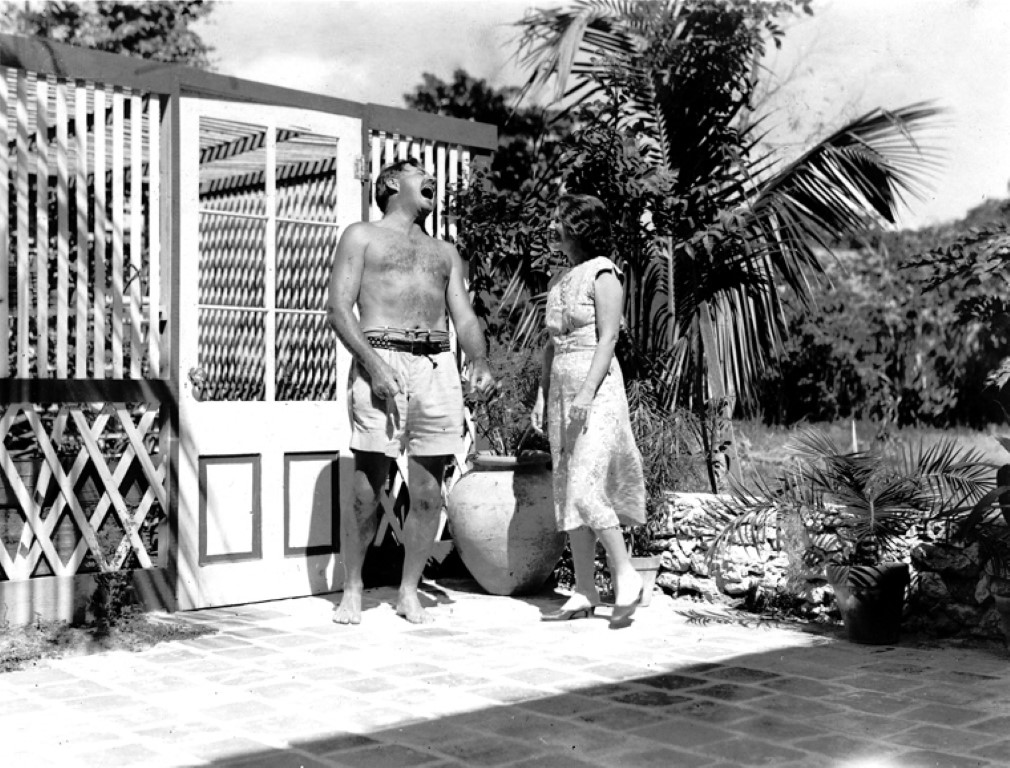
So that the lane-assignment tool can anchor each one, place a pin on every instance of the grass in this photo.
(763, 450)
(24, 646)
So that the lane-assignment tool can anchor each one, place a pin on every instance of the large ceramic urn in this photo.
(501, 516)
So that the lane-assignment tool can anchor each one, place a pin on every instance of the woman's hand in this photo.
(580, 408)
(538, 415)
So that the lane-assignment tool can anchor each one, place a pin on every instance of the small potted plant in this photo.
(861, 510)
(501, 511)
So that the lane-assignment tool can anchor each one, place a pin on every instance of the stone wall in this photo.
(685, 532)
(949, 596)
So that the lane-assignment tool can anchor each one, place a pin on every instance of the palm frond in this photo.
(865, 166)
(552, 40)
(953, 474)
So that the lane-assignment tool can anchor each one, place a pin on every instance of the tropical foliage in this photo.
(714, 234)
(858, 507)
(149, 30)
(978, 263)
(501, 422)
(913, 330)
(728, 224)
(527, 135)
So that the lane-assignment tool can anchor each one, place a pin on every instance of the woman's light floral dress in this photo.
(598, 479)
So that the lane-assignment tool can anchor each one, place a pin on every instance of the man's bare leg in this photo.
(419, 529)
(357, 529)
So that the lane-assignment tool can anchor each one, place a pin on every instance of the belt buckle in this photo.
(420, 341)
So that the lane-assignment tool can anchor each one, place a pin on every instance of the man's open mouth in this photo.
(428, 192)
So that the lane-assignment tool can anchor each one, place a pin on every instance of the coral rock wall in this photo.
(949, 596)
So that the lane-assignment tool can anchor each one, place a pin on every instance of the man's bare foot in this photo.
(409, 607)
(349, 610)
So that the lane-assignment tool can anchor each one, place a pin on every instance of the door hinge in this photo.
(360, 169)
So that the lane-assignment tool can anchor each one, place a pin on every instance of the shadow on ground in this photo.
(817, 702)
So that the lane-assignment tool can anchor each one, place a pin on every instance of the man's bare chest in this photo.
(409, 260)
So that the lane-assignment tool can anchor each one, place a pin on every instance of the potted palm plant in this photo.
(860, 511)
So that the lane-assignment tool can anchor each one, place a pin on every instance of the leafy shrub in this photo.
(502, 421)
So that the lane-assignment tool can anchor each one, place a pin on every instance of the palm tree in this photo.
(737, 228)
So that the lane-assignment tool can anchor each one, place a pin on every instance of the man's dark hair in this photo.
(391, 171)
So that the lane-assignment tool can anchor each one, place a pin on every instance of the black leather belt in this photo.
(422, 345)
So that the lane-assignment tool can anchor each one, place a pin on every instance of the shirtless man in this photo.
(405, 392)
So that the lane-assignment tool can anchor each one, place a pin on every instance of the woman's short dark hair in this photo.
(392, 171)
(586, 221)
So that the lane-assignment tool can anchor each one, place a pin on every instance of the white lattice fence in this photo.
(93, 507)
(83, 485)
(77, 246)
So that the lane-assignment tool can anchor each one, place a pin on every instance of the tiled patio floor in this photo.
(279, 685)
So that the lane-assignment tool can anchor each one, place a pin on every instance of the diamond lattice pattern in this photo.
(88, 494)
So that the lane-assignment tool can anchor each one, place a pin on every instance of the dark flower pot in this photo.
(871, 599)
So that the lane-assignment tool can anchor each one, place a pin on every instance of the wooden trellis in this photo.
(37, 537)
(75, 255)
(80, 255)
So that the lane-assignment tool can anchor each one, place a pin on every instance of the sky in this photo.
(850, 57)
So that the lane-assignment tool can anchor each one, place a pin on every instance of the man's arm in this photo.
(468, 331)
(345, 283)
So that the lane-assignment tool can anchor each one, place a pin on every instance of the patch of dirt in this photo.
(25, 646)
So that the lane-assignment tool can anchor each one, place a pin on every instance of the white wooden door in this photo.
(266, 192)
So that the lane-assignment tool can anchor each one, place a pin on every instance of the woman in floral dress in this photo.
(598, 481)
